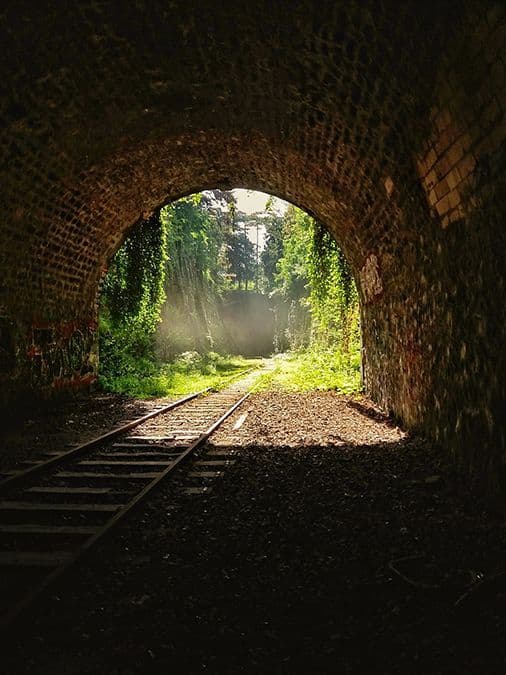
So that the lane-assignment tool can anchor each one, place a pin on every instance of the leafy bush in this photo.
(189, 372)
(315, 369)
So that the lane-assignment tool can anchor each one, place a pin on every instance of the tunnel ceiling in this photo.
(111, 109)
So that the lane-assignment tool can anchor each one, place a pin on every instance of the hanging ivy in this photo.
(133, 289)
(333, 296)
(313, 273)
(328, 266)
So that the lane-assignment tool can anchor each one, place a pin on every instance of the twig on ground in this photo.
(474, 588)
(417, 584)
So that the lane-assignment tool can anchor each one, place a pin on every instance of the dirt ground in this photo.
(335, 543)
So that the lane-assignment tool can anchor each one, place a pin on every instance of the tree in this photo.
(292, 273)
(195, 276)
(241, 258)
(273, 250)
(194, 242)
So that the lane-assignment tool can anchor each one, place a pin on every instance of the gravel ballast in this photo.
(335, 543)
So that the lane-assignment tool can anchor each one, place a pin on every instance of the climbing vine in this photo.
(132, 295)
(314, 280)
(133, 289)
(333, 297)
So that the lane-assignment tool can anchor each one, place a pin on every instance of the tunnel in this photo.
(383, 120)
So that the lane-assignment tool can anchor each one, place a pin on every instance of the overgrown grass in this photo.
(314, 369)
(190, 372)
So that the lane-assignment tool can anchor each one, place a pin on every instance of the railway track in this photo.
(53, 512)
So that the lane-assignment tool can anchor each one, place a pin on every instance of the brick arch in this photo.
(385, 120)
(177, 167)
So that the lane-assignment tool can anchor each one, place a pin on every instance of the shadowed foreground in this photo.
(291, 564)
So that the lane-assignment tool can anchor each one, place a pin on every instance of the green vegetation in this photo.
(189, 372)
(177, 290)
(132, 296)
(196, 227)
(314, 369)
(133, 289)
(321, 329)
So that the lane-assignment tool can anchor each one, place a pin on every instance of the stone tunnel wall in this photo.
(448, 322)
(385, 120)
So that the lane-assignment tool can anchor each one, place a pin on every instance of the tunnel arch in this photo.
(384, 120)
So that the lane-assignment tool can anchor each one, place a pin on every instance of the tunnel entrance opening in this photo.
(222, 275)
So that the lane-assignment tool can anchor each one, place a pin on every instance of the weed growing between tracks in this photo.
(190, 372)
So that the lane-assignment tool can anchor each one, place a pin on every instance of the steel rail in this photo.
(89, 445)
(9, 617)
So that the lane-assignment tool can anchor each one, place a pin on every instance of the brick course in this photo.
(384, 120)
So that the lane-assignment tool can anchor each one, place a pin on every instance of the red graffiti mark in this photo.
(33, 351)
(65, 329)
(414, 366)
(76, 382)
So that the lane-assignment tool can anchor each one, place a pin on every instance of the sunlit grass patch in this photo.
(314, 370)
(190, 372)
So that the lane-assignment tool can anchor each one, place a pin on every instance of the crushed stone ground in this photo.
(336, 543)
